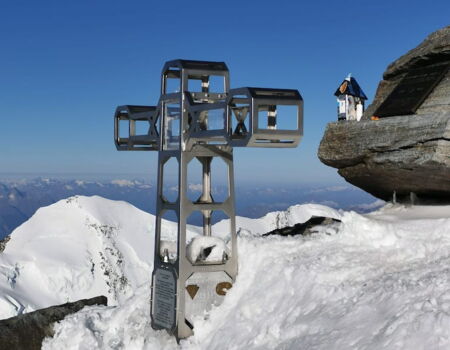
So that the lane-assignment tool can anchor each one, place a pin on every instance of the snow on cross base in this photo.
(375, 281)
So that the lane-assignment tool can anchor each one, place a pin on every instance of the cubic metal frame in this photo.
(264, 99)
(183, 132)
(133, 114)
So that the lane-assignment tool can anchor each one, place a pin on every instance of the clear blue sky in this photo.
(66, 65)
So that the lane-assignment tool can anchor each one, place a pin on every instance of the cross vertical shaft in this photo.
(191, 273)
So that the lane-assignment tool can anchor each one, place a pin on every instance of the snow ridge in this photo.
(77, 248)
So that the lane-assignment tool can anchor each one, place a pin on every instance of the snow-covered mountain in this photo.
(19, 199)
(77, 248)
(82, 247)
(375, 281)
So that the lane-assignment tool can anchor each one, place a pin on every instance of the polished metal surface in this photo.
(199, 117)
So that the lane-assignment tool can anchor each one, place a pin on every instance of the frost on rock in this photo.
(207, 249)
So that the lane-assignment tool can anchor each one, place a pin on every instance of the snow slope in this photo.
(82, 247)
(75, 249)
(376, 281)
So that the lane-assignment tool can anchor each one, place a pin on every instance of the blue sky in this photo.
(66, 65)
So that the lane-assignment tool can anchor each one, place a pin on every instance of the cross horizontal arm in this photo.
(145, 116)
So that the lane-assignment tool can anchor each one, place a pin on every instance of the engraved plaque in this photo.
(164, 298)
(412, 91)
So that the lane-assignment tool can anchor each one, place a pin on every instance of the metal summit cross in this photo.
(199, 117)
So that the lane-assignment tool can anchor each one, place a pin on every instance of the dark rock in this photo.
(302, 228)
(3, 243)
(406, 154)
(27, 331)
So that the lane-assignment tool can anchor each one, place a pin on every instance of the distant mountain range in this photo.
(19, 199)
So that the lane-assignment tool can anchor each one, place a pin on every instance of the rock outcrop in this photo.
(3, 243)
(402, 154)
(27, 331)
(434, 50)
(305, 228)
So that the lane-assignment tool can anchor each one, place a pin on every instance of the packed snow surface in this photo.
(375, 281)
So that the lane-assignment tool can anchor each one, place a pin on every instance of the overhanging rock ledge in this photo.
(407, 153)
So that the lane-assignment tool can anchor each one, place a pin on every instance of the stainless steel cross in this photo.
(199, 117)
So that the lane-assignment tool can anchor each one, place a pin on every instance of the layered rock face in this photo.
(434, 50)
(401, 154)
(408, 153)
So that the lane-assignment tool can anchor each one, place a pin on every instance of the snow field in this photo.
(375, 281)
(358, 289)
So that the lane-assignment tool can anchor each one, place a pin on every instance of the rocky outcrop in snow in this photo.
(313, 225)
(27, 331)
(3, 243)
(408, 153)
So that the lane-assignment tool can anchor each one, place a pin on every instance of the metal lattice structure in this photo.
(202, 123)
